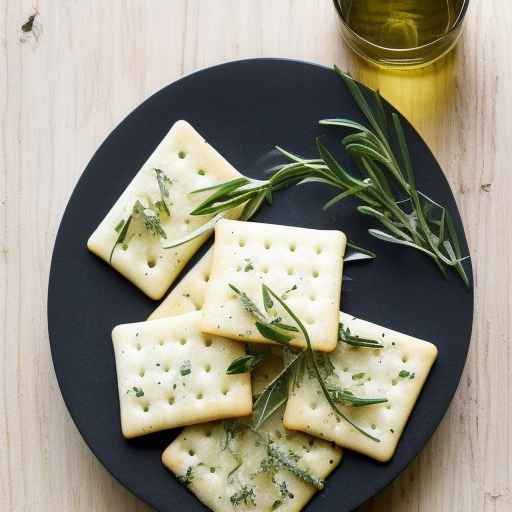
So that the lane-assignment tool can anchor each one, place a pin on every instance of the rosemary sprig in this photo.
(313, 361)
(345, 336)
(276, 393)
(385, 188)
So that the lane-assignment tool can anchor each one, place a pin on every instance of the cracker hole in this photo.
(241, 243)
(238, 268)
(206, 278)
(151, 263)
(312, 297)
(161, 342)
(199, 396)
(267, 244)
(208, 368)
(145, 408)
(316, 273)
(171, 400)
(225, 391)
(374, 426)
(394, 382)
(142, 372)
(138, 346)
(404, 359)
(191, 453)
(167, 368)
(293, 246)
(388, 406)
(183, 341)
(201, 172)
(264, 270)
(319, 250)
(182, 154)
(290, 271)
(310, 321)
(313, 406)
(208, 342)
(187, 221)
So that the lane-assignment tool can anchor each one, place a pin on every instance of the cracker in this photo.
(308, 411)
(170, 374)
(188, 294)
(190, 163)
(247, 254)
(203, 449)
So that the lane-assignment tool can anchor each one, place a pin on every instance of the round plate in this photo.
(244, 109)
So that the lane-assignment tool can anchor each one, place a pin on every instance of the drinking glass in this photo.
(401, 33)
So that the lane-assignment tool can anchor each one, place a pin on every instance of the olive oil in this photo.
(401, 33)
(401, 24)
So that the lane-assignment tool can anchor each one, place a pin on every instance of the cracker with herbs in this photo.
(229, 466)
(303, 265)
(154, 211)
(369, 361)
(170, 375)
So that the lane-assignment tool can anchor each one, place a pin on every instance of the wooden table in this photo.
(86, 64)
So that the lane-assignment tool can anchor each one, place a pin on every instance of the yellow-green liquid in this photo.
(401, 24)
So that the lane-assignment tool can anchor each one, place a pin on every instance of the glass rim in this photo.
(455, 26)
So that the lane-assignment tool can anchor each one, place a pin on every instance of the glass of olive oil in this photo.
(401, 33)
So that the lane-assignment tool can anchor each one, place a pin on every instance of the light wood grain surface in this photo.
(89, 63)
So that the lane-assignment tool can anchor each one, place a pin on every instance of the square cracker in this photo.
(308, 411)
(248, 254)
(169, 374)
(190, 163)
(188, 294)
(203, 449)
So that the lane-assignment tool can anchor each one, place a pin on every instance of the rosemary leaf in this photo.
(345, 336)
(122, 230)
(244, 364)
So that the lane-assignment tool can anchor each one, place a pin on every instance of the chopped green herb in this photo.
(121, 229)
(285, 294)
(404, 374)
(186, 368)
(358, 376)
(138, 391)
(248, 265)
(345, 336)
(244, 364)
(150, 219)
(187, 478)
(245, 495)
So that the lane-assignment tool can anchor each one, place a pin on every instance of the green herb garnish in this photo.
(347, 398)
(186, 368)
(404, 374)
(121, 230)
(150, 219)
(163, 184)
(386, 191)
(138, 391)
(345, 336)
(244, 364)
(279, 385)
(248, 265)
(187, 478)
(245, 495)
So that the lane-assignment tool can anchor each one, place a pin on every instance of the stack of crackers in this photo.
(171, 368)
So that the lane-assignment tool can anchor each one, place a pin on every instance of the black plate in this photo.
(245, 108)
